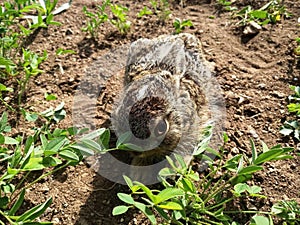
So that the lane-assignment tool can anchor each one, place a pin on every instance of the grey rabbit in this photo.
(167, 100)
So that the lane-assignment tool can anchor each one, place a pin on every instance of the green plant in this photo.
(292, 126)
(30, 63)
(161, 9)
(120, 18)
(272, 12)
(15, 60)
(4, 89)
(188, 198)
(181, 25)
(144, 11)
(226, 5)
(45, 151)
(95, 19)
(289, 211)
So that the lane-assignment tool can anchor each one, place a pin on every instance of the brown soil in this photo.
(254, 73)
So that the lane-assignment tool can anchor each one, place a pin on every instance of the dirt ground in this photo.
(254, 74)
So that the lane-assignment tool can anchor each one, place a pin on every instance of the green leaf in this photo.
(50, 161)
(2, 139)
(17, 204)
(268, 156)
(118, 210)
(50, 97)
(167, 194)
(69, 155)
(240, 188)
(126, 198)
(55, 144)
(35, 212)
(254, 151)
(123, 138)
(250, 169)
(146, 211)
(171, 206)
(93, 134)
(254, 189)
(3, 202)
(84, 150)
(34, 164)
(105, 138)
(259, 14)
(259, 220)
(188, 185)
(147, 191)
(10, 141)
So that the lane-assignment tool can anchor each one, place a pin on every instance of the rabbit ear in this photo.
(163, 53)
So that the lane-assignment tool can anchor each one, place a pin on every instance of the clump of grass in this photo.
(187, 198)
(271, 12)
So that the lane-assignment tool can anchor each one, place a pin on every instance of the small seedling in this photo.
(293, 126)
(120, 18)
(144, 11)
(227, 5)
(181, 25)
(30, 63)
(95, 19)
(161, 9)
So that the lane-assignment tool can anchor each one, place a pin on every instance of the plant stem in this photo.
(253, 212)
(43, 176)
(6, 217)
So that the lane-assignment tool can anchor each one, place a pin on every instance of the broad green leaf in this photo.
(91, 144)
(85, 151)
(55, 144)
(146, 211)
(171, 206)
(17, 204)
(35, 212)
(240, 188)
(34, 164)
(50, 161)
(69, 155)
(254, 189)
(123, 138)
(147, 191)
(188, 185)
(259, 14)
(286, 131)
(10, 141)
(268, 156)
(93, 134)
(118, 210)
(259, 220)
(128, 181)
(167, 194)
(250, 169)
(126, 198)
(105, 138)
(130, 146)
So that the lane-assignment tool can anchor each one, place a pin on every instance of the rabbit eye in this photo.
(161, 128)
